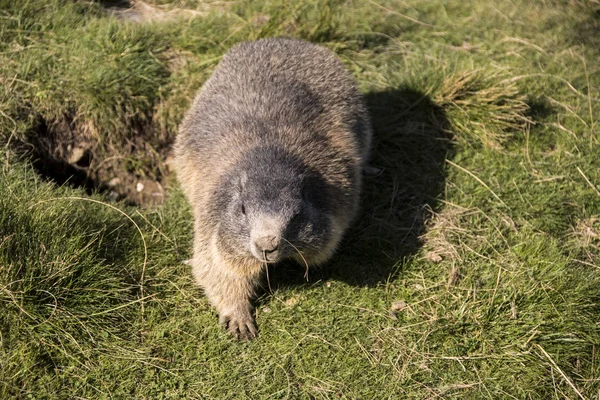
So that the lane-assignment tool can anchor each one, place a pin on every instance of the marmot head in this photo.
(273, 208)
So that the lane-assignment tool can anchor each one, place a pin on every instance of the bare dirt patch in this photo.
(141, 11)
(69, 153)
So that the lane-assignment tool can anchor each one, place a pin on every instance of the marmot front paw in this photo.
(240, 325)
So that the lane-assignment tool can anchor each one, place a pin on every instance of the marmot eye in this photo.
(243, 209)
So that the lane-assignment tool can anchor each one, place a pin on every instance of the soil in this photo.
(60, 152)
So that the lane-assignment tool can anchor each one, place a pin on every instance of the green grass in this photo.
(482, 234)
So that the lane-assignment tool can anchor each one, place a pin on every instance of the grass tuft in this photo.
(482, 107)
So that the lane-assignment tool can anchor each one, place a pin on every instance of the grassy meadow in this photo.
(473, 271)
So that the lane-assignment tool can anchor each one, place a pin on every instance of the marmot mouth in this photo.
(268, 261)
(268, 258)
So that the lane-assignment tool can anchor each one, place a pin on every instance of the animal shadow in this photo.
(411, 144)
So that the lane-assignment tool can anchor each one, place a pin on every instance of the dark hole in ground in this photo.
(40, 148)
(60, 153)
(61, 172)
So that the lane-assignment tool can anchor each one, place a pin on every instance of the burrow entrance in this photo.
(134, 171)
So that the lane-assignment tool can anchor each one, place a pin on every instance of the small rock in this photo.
(76, 154)
(266, 310)
(139, 187)
(114, 182)
(433, 256)
(328, 284)
(291, 301)
(397, 307)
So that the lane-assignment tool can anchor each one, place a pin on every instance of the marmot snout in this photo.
(270, 158)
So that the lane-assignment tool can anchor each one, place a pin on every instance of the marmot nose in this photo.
(267, 244)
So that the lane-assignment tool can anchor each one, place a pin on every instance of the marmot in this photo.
(270, 157)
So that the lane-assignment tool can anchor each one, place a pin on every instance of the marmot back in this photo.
(270, 157)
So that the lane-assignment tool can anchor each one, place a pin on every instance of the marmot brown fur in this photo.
(270, 157)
